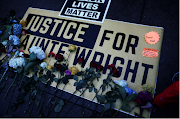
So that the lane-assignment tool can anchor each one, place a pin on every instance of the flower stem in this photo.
(92, 100)
(21, 81)
(10, 86)
(79, 96)
(3, 84)
(68, 58)
(132, 109)
(54, 103)
(4, 74)
(10, 102)
(50, 99)
(31, 109)
(40, 97)
(116, 112)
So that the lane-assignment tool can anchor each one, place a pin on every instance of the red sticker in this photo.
(152, 37)
(150, 52)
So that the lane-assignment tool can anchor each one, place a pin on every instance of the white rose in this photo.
(43, 65)
(121, 82)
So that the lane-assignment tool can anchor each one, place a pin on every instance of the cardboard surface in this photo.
(110, 42)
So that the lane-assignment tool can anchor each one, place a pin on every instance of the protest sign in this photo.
(111, 42)
(91, 10)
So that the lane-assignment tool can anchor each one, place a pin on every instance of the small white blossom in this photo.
(16, 62)
(121, 82)
(43, 65)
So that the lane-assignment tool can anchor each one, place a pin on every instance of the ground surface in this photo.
(148, 12)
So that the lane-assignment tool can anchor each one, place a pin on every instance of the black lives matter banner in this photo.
(112, 42)
(93, 10)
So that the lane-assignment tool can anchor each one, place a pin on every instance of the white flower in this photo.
(21, 54)
(38, 51)
(16, 62)
(121, 82)
(43, 65)
(5, 42)
(15, 39)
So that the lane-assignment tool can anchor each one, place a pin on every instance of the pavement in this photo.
(147, 12)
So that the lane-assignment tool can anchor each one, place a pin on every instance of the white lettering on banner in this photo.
(96, 1)
(82, 13)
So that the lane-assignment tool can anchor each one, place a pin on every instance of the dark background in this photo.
(162, 13)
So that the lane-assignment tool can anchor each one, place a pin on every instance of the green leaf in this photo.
(112, 105)
(37, 102)
(103, 88)
(26, 60)
(32, 57)
(6, 32)
(126, 108)
(30, 65)
(61, 102)
(53, 102)
(122, 91)
(75, 83)
(81, 81)
(102, 99)
(93, 76)
(90, 89)
(19, 69)
(98, 75)
(43, 79)
(35, 78)
(75, 78)
(91, 69)
(95, 90)
(130, 98)
(58, 108)
(98, 98)
(55, 79)
(107, 105)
